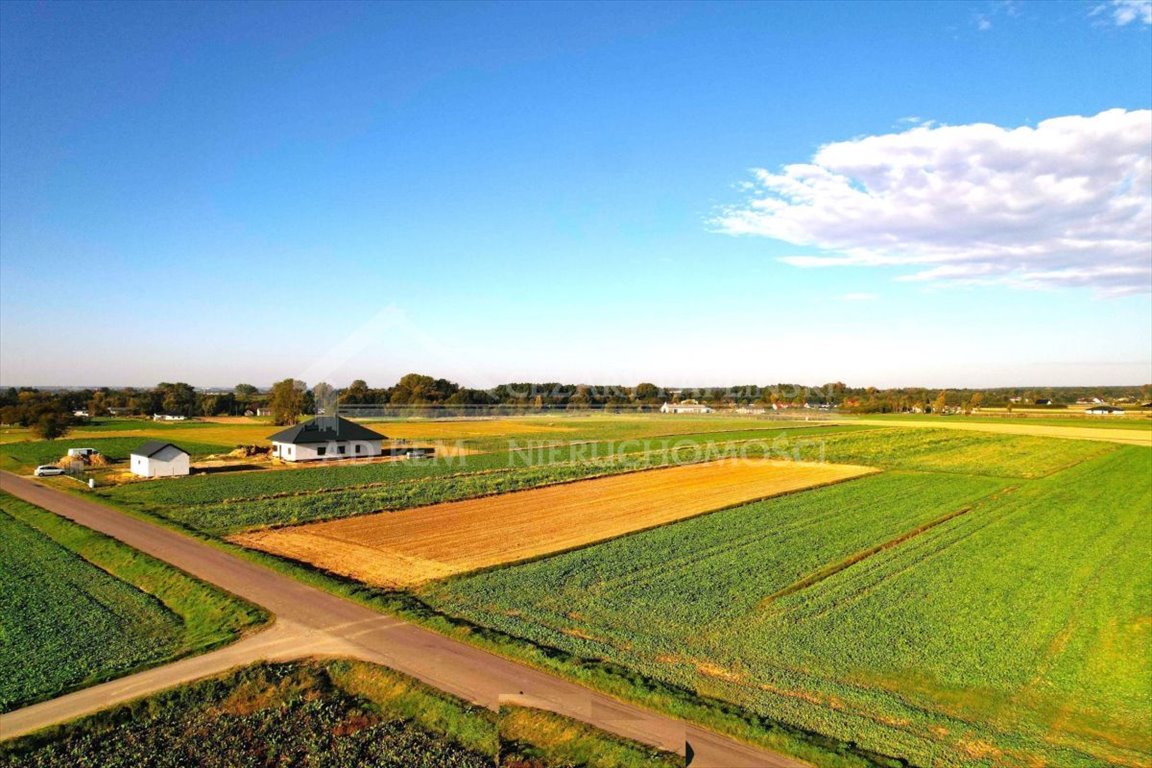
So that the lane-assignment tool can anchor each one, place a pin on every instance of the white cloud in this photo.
(1125, 12)
(983, 23)
(1067, 203)
(859, 297)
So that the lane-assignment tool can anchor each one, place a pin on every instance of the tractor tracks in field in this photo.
(829, 571)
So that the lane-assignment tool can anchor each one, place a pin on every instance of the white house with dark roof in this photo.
(157, 458)
(326, 437)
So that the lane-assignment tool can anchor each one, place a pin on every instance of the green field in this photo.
(77, 608)
(946, 451)
(282, 714)
(23, 456)
(331, 714)
(219, 505)
(981, 601)
(224, 504)
(1013, 630)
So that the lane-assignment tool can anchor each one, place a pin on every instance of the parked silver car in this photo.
(47, 470)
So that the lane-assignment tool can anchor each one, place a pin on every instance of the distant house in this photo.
(1043, 401)
(82, 413)
(157, 458)
(120, 411)
(687, 406)
(263, 411)
(1105, 410)
(326, 437)
(168, 417)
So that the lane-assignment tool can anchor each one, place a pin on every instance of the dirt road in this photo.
(312, 622)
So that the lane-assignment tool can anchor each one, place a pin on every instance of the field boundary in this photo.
(577, 548)
(485, 472)
(280, 540)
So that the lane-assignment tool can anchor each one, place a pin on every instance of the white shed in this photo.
(157, 458)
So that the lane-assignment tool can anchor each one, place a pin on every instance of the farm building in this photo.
(326, 437)
(157, 458)
(688, 406)
(1105, 410)
(168, 417)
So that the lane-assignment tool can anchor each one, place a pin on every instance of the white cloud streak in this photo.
(1066, 203)
(1124, 12)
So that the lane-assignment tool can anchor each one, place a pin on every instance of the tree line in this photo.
(50, 413)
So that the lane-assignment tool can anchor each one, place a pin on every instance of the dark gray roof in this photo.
(325, 429)
(153, 447)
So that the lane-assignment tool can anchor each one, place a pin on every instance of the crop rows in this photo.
(77, 607)
(399, 550)
(65, 620)
(275, 715)
(292, 497)
(1016, 631)
(211, 489)
(407, 485)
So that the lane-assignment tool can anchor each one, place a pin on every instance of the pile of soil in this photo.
(91, 460)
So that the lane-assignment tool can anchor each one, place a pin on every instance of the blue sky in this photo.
(493, 192)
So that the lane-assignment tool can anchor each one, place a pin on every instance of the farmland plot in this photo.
(1015, 633)
(231, 503)
(77, 608)
(397, 549)
(332, 715)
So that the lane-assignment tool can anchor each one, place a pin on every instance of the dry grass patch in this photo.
(1124, 436)
(402, 549)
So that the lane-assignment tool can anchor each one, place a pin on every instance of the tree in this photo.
(975, 401)
(287, 401)
(357, 392)
(647, 392)
(177, 399)
(51, 425)
(941, 402)
(245, 392)
(98, 405)
(324, 395)
(418, 389)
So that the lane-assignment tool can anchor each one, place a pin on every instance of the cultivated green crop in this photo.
(940, 617)
(289, 497)
(260, 716)
(77, 607)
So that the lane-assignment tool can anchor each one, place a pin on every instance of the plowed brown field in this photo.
(398, 549)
